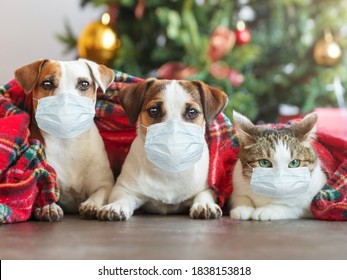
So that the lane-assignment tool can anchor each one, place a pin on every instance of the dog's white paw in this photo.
(88, 209)
(241, 213)
(51, 212)
(201, 210)
(114, 212)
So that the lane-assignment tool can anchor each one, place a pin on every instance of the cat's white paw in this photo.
(277, 212)
(201, 210)
(266, 213)
(114, 212)
(241, 213)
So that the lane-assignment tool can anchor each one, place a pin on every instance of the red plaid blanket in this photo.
(331, 202)
(27, 182)
(118, 135)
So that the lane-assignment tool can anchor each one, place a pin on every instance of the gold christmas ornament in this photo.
(98, 41)
(327, 52)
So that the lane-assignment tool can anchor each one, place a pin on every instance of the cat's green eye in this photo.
(265, 163)
(294, 163)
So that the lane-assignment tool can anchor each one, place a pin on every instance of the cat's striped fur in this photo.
(278, 148)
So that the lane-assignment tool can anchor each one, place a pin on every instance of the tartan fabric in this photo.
(112, 122)
(27, 182)
(223, 156)
(331, 202)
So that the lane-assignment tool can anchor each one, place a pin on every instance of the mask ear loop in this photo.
(37, 99)
(95, 93)
(248, 173)
(250, 166)
(146, 127)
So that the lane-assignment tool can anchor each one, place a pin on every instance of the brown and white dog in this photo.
(83, 170)
(142, 183)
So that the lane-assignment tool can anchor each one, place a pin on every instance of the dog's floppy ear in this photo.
(103, 75)
(28, 75)
(213, 100)
(131, 98)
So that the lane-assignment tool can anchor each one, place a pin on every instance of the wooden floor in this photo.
(174, 237)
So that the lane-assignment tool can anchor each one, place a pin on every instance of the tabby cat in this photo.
(278, 171)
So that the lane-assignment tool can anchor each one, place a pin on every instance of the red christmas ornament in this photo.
(140, 9)
(235, 77)
(219, 69)
(221, 42)
(243, 36)
(175, 71)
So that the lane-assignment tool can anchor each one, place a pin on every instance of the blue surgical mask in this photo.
(174, 145)
(65, 115)
(280, 182)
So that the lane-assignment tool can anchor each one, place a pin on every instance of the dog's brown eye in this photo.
(83, 85)
(153, 112)
(47, 85)
(192, 113)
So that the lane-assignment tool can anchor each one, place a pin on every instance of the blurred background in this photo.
(275, 59)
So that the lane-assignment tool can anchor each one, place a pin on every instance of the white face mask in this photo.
(65, 115)
(174, 145)
(280, 182)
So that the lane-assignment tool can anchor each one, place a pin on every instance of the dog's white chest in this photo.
(171, 191)
(71, 159)
(162, 188)
(69, 170)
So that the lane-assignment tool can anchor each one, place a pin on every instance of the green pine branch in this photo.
(69, 39)
(277, 65)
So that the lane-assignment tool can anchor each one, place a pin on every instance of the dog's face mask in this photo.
(174, 145)
(65, 115)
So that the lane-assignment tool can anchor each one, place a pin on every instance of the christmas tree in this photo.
(261, 53)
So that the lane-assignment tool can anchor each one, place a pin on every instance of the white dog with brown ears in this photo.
(166, 170)
(62, 117)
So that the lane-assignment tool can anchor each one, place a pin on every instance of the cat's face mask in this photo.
(280, 182)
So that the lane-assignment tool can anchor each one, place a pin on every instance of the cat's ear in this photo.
(244, 129)
(306, 128)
